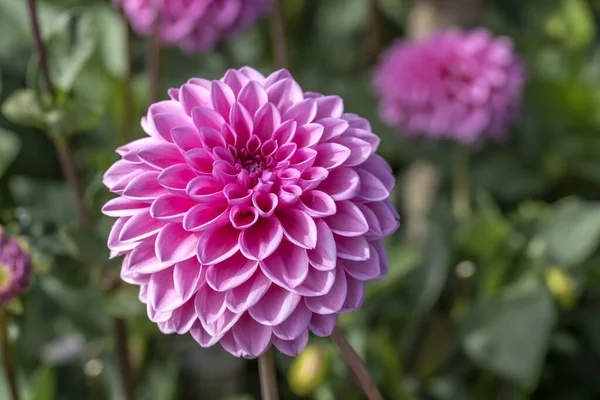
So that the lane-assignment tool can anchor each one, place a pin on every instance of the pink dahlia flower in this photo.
(195, 25)
(252, 213)
(464, 86)
(15, 268)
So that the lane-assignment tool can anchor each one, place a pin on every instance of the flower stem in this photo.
(373, 34)
(127, 91)
(268, 379)
(460, 182)
(7, 356)
(356, 364)
(278, 35)
(70, 173)
(122, 348)
(154, 63)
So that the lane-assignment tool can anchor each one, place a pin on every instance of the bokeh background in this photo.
(504, 304)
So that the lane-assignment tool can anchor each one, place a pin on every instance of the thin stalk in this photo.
(461, 203)
(7, 357)
(356, 364)
(278, 35)
(127, 91)
(268, 379)
(154, 63)
(123, 359)
(373, 38)
(70, 173)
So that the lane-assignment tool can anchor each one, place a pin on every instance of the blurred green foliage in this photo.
(503, 304)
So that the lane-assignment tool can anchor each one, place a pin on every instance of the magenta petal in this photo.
(333, 127)
(203, 338)
(303, 112)
(329, 106)
(186, 138)
(284, 133)
(222, 98)
(123, 207)
(323, 325)
(355, 296)
(312, 177)
(287, 266)
(363, 270)
(360, 150)
(317, 204)
(140, 226)
(217, 244)
(371, 188)
(384, 266)
(291, 348)
(285, 93)
(187, 277)
(193, 96)
(372, 221)
(252, 337)
(171, 208)
(265, 203)
(241, 122)
(164, 122)
(144, 187)
(308, 135)
(275, 306)
(386, 216)
(266, 120)
(331, 155)
(184, 318)
(143, 260)
(261, 239)
(381, 169)
(352, 248)
(348, 220)
(323, 256)
(161, 292)
(295, 325)
(317, 283)
(210, 305)
(175, 244)
(176, 178)
(341, 184)
(333, 301)
(206, 189)
(200, 160)
(243, 216)
(235, 80)
(204, 216)
(253, 96)
(298, 227)
(244, 296)
(211, 138)
(161, 155)
(114, 244)
(230, 345)
(207, 117)
(156, 316)
(231, 272)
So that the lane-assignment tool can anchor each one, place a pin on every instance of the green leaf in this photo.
(403, 260)
(71, 118)
(70, 46)
(10, 144)
(44, 387)
(88, 246)
(44, 201)
(510, 335)
(572, 231)
(573, 23)
(112, 40)
(124, 303)
(22, 108)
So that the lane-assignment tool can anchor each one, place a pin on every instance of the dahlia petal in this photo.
(323, 256)
(295, 324)
(285, 132)
(175, 244)
(192, 96)
(384, 266)
(206, 189)
(348, 220)
(352, 248)
(277, 76)
(317, 283)
(230, 273)
(243, 216)
(170, 208)
(235, 80)
(183, 318)
(123, 207)
(356, 122)
(318, 204)
(303, 112)
(265, 203)
(287, 266)
(371, 188)
(237, 194)
(162, 295)
(200, 160)
(210, 305)
(117, 172)
(360, 150)
(222, 98)
(252, 337)
(218, 244)
(161, 155)
(242, 122)
(332, 128)
(364, 270)
(253, 96)
(211, 138)
(366, 135)
(291, 348)
(355, 296)
(143, 260)
(140, 226)
(386, 215)
(204, 216)
(230, 345)
(205, 117)
(298, 227)
(261, 239)
(164, 122)
(266, 120)
(285, 93)
(157, 317)
(341, 184)
(329, 106)
(176, 178)
(135, 146)
(332, 301)
(244, 296)
(308, 135)
(372, 220)
(275, 306)
(253, 74)
(303, 158)
(288, 195)
(144, 187)
(381, 169)
(187, 277)
(331, 155)
(114, 244)
(323, 325)
(186, 138)
(203, 338)
(312, 177)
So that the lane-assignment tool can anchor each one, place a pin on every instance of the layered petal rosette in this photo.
(458, 85)
(194, 25)
(252, 213)
(15, 268)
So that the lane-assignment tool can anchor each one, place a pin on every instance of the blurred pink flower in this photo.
(15, 268)
(194, 25)
(252, 213)
(464, 86)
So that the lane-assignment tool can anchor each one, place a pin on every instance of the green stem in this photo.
(268, 379)
(460, 182)
(127, 90)
(278, 35)
(154, 63)
(7, 357)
